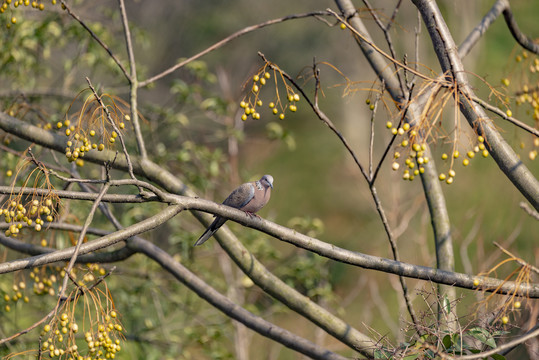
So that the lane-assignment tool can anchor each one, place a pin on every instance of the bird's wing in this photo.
(240, 196)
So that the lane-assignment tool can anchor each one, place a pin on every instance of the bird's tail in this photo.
(212, 229)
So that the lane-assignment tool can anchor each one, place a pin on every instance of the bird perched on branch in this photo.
(249, 197)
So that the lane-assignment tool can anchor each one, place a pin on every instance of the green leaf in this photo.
(497, 357)
(447, 341)
(482, 335)
(446, 304)
(411, 357)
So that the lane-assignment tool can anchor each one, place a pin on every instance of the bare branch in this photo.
(228, 307)
(96, 38)
(451, 63)
(229, 39)
(504, 116)
(103, 242)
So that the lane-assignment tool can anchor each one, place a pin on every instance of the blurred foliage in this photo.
(190, 119)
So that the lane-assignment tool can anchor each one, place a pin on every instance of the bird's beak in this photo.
(271, 186)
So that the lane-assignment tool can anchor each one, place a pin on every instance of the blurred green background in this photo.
(316, 180)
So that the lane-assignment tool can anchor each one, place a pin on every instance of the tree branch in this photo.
(228, 307)
(451, 65)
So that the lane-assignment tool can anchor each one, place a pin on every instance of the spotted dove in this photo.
(249, 197)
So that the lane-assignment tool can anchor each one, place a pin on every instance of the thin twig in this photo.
(387, 35)
(526, 207)
(314, 105)
(82, 234)
(96, 38)
(504, 116)
(133, 83)
(524, 41)
(229, 39)
(520, 261)
(371, 142)
(113, 124)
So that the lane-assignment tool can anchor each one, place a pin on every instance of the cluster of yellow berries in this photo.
(416, 158)
(32, 214)
(102, 342)
(415, 152)
(80, 142)
(527, 95)
(6, 4)
(16, 295)
(44, 283)
(479, 148)
(250, 104)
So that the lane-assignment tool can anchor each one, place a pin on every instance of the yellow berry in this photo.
(121, 125)
(281, 116)
(271, 105)
(68, 132)
(9, 173)
(101, 147)
(243, 104)
(13, 20)
(394, 131)
(404, 143)
(509, 112)
(406, 126)
(343, 26)
(389, 125)
(452, 173)
(395, 166)
(485, 153)
(256, 78)
(293, 108)
(456, 154)
(480, 139)
(296, 97)
(505, 81)
(244, 117)
(441, 177)
(259, 102)
(444, 156)
(465, 162)
(255, 88)
(267, 75)
(505, 319)
(449, 180)
(263, 81)
(470, 154)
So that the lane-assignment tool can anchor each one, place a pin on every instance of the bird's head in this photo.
(267, 180)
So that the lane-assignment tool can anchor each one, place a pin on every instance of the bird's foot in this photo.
(251, 214)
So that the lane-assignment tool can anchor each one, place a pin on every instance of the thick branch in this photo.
(451, 63)
(228, 307)
(103, 242)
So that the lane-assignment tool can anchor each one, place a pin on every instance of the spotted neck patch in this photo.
(259, 185)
